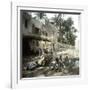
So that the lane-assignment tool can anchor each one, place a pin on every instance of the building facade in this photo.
(37, 36)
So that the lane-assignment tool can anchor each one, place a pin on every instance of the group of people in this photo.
(59, 63)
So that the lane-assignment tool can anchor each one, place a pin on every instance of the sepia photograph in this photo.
(50, 43)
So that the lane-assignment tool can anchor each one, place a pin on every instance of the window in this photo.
(26, 23)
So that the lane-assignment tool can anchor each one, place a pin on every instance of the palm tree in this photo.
(58, 20)
(40, 15)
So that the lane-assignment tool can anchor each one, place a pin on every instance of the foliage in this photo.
(66, 30)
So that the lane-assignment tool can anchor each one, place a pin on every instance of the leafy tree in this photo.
(70, 31)
(70, 38)
(66, 29)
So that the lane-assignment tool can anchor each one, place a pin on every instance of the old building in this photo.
(37, 35)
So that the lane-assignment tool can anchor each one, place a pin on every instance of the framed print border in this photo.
(16, 80)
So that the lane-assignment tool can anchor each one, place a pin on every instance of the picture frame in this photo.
(16, 49)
